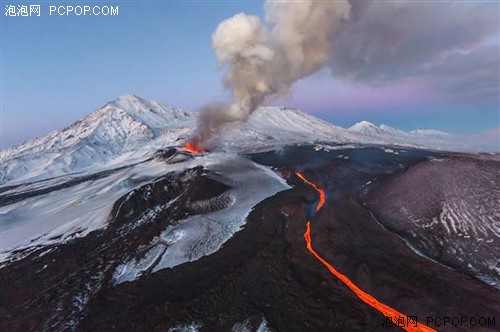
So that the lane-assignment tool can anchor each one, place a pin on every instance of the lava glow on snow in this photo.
(365, 297)
(190, 147)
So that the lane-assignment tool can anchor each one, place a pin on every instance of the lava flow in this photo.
(320, 191)
(190, 147)
(387, 311)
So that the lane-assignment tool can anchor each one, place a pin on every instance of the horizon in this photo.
(58, 69)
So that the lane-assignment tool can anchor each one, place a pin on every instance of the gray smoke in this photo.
(451, 47)
(261, 63)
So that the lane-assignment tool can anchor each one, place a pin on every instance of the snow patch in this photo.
(193, 327)
(204, 234)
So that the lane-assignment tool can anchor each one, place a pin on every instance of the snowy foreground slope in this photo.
(131, 129)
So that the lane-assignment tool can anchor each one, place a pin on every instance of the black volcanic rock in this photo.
(52, 291)
(447, 208)
(173, 155)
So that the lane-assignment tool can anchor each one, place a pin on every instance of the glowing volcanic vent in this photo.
(386, 310)
(192, 148)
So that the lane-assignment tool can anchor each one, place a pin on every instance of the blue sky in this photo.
(56, 69)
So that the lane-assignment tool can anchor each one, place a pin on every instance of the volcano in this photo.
(288, 223)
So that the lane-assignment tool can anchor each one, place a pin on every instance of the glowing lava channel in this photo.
(365, 297)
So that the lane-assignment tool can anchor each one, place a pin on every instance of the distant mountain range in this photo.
(369, 128)
(130, 127)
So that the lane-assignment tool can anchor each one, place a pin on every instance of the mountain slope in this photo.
(369, 128)
(121, 125)
(284, 125)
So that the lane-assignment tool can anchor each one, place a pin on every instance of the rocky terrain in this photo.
(111, 224)
(448, 209)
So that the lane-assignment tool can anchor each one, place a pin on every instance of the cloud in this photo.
(453, 46)
(468, 75)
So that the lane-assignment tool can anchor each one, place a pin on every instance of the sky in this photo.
(406, 64)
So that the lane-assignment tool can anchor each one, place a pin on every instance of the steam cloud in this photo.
(451, 48)
(262, 63)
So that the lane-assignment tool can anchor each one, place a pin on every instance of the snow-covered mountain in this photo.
(284, 125)
(369, 128)
(130, 128)
(426, 138)
(121, 125)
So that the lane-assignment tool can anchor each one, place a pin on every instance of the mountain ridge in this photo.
(369, 128)
(120, 125)
(132, 125)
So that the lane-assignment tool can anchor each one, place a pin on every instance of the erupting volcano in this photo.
(387, 311)
(144, 217)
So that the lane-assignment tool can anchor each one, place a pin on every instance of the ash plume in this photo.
(262, 62)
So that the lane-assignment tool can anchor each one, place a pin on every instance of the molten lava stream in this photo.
(190, 147)
(363, 296)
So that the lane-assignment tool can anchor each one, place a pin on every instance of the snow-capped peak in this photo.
(125, 116)
(152, 113)
(367, 128)
(361, 125)
(119, 126)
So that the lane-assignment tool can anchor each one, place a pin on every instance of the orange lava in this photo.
(365, 297)
(320, 191)
(192, 148)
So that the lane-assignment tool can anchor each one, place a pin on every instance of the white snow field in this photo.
(203, 234)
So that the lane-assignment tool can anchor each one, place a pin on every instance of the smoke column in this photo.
(261, 63)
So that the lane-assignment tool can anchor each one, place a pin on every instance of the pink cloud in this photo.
(322, 92)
